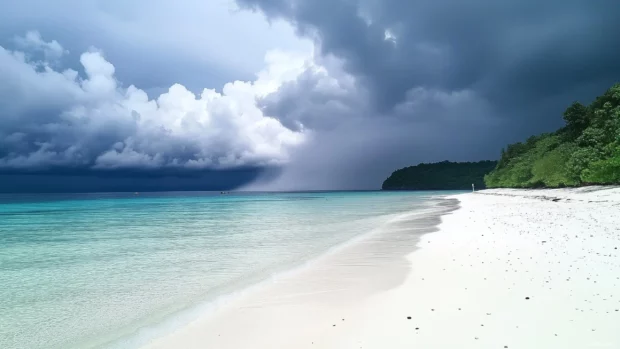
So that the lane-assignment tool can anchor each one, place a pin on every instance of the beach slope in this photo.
(507, 269)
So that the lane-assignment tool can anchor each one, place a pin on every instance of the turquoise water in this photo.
(99, 270)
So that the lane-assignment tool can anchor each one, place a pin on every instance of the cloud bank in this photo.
(390, 83)
(59, 119)
(437, 80)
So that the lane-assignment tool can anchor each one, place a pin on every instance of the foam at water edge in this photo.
(178, 320)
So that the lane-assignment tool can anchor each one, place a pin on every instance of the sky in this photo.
(283, 94)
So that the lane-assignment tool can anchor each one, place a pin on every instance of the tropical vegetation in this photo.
(585, 151)
(444, 175)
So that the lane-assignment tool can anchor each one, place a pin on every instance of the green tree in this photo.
(577, 120)
(440, 176)
(585, 151)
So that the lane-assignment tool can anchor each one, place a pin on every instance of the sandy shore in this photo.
(508, 269)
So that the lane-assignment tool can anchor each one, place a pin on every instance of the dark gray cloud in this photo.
(438, 80)
(60, 121)
(155, 44)
(319, 99)
(359, 149)
(506, 51)
(126, 181)
(67, 107)
(392, 83)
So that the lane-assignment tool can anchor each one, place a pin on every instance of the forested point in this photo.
(444, 175)
(585, 151)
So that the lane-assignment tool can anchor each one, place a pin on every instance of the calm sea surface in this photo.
(112, 270)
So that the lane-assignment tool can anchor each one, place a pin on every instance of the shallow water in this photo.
(94, 270)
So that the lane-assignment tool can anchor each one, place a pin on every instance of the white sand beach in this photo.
(508, 269)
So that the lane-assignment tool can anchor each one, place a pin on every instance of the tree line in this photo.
(585, 151)
(444, 175)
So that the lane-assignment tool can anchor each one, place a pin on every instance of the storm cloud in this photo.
(390, 83)
(441, 79)
(57, 119)
(505, 51)
(155, 44)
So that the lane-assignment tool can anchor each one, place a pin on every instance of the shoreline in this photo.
(508, 269)
(334, 277)
(117, 273)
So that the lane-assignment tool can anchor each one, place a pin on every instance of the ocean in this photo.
(115, 270)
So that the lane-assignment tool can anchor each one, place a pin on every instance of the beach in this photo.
(492, 269)
(117, 270)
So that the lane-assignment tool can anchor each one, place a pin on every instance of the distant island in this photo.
(585, 151)
(443, 175)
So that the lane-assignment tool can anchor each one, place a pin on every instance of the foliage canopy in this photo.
(585, 151)
(443, 175)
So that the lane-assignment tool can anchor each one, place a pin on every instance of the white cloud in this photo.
(32, 41)
(57, 118)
